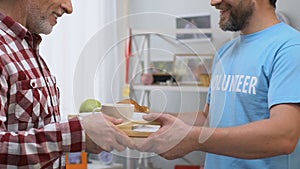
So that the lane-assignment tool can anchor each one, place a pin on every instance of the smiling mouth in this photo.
(224, 12)
(57, 14)
(54, 17)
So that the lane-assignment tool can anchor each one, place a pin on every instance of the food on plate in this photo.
(137, 107)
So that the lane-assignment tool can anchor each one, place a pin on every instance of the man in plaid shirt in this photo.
(31, 133)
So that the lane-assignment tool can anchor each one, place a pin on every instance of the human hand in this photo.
(103, 134)
(173, 140)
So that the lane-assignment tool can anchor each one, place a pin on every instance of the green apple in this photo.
(89, 105)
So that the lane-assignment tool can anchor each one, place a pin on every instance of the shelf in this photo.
(181, 88)
(147, 89)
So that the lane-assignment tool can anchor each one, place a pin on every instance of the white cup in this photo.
(122, 111)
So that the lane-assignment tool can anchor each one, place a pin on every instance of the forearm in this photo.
(40, 146)
(254, 140)
(196, 118)
(193, 118)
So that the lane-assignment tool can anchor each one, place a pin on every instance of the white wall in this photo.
(291, 9)
(62, 48)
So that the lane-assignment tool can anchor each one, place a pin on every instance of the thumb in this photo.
(158, 117)
(161, 118)
(151, 117)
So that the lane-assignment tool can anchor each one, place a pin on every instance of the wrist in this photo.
(194, 135)
(72, 134)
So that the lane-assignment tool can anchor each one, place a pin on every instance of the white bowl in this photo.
(123, 111)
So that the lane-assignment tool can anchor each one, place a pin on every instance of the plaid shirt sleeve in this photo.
(31, 133)
(39, 148)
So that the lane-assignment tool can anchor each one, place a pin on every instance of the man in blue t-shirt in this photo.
(253, 110)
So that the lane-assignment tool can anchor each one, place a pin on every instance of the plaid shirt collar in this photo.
(17, 30)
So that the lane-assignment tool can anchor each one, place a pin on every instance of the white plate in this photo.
(146, 128)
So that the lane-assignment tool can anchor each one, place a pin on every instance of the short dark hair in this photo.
(273, 3)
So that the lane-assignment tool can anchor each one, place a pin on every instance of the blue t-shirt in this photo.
(250, 75)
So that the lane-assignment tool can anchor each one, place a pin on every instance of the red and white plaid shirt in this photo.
(31, 134)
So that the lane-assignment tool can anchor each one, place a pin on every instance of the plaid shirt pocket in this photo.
(31, 102)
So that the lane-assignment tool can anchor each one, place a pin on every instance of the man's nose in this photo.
(215, 2)
(66, 5)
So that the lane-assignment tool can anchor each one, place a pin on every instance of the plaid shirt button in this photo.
(32, 84)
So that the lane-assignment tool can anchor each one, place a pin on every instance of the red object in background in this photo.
(128, 54)
(188, 167)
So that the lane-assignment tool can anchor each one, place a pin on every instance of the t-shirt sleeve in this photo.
(284, 86)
